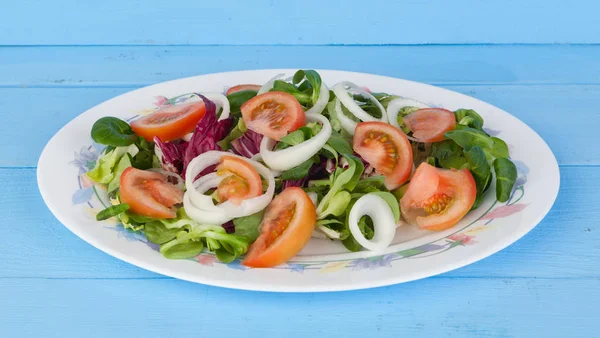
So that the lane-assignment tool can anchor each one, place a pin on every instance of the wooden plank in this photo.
(547, 109)
(564, 245)
(431, 308)
(144, 65)
(308, 22)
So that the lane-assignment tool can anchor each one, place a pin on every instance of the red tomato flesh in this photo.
(387, 149)
(273, 114)
(437, 199)
(430, 124)
(286, 227)
(170, 123)
(243, 181)
(149, 193)
(239, 88)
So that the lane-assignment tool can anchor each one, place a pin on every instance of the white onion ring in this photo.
(396, 104)
(324, 232)
(347, 123)
(321, 101)
(269, 84)
(180, 184)
(383, 220)
(313, 197)
(204, 205)
(342, 94)
(207, 182)
(201, 216)
(293, 156)
(258, 158)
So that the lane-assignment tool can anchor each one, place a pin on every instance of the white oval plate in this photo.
(322, 265)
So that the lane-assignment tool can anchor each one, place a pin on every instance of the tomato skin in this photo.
(430, 124)
(170, 123)
(149, 193)
(273, 114)
(279, 241)
(387, 149)
(243, 183)
(239, 88)
(437, 199)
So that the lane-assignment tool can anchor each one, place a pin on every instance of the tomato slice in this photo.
(242, 182)
(436, 199)
(170, 123)
(239, 88)
(287, 225)
(149, 193)
(387, 149)
(430, 124)
(273, 114)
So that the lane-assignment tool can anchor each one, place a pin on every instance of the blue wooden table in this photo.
(539, 60)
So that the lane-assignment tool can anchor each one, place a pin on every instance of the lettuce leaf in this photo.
(105, 170)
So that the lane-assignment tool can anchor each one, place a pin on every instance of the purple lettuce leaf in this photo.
(207, 133)
(248, 144)
(172, 155)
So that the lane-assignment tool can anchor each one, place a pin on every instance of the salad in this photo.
(257, 171)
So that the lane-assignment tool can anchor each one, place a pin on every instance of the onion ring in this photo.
(295, 155)
(383, 220)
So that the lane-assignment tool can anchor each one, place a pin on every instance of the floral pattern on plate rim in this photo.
(86, 159)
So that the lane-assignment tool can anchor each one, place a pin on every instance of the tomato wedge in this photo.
(436, 199)
(149, 193)
(170, 123)
(287, 225)
(273, 114)
(239, 88)
(387, 149)
(430, 124)
(242, 181)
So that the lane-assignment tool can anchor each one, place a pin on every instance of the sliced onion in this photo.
(324, 232)
(295, 155)
(180, 184)
(396, 104)
(321, 101)
(313, 197)
(342, 94)
(201, 216)
(383, 220)
(317, 233)
(203, 206)
(258, 158)
(269, 84)
(347, 123)
(207, 182)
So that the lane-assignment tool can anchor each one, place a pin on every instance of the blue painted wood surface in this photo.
(59, 58)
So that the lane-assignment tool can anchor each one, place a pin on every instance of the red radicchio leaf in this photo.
(248, 144)
(207, 133)
(172, 155)
(229, 227)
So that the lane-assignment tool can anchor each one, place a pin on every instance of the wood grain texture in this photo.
(462, 307)
(144, 65)
(550, 110)
(564, 245)
(71, 22)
